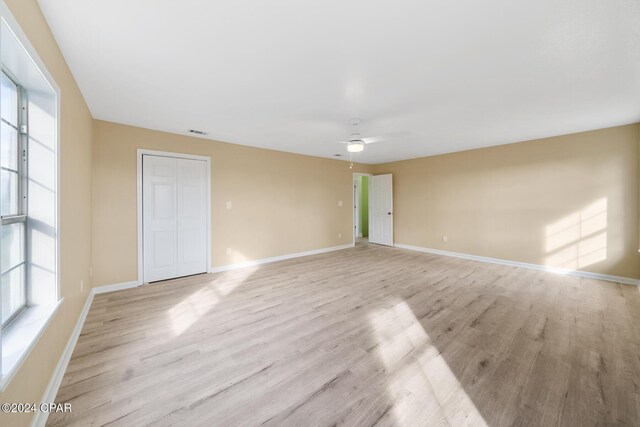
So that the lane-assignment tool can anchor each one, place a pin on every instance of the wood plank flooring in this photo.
(363, 336)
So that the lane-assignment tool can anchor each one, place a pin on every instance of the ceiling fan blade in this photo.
(385, 137)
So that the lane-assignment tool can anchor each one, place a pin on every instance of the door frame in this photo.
(141, 152)
(353, 217)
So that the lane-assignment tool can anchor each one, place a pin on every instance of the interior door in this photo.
(173, 217)
(381, 209)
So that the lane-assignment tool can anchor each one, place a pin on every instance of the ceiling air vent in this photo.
(198, 132)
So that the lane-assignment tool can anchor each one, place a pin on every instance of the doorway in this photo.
(174, 215)
(361, 208)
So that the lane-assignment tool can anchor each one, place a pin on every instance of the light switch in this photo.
(229, 204)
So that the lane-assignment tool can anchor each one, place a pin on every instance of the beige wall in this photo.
(570, 201)
(75, 215)
(282, 203)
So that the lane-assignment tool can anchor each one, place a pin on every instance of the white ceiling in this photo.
(289, 74)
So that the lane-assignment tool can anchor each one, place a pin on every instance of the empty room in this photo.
(353, 213)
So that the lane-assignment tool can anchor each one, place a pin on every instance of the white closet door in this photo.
(381, 209)
(192, 220)
(174, 217)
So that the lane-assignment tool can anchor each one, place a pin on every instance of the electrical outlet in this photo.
(445, 239)
(229, 204)
(90, 271)
(81, 285)
(339, 203)
(229, 251)
(339, 235)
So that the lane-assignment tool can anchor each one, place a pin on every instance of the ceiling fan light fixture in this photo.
(355, 146)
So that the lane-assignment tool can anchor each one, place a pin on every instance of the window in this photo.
(29, 123)
(13, 209)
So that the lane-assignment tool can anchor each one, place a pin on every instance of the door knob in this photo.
(388, 213)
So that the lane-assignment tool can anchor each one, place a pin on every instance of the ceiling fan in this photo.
(356, 142)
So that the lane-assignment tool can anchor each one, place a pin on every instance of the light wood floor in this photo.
(363, 336)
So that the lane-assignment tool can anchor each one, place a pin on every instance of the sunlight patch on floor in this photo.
(191, 309)
(226, 282)
(420, 383)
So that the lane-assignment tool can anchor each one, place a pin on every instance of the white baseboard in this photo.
(555, 270)
(40, 418)
(115, 287)
(279, 258)
(134, 284)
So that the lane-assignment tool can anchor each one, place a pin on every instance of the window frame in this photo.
(45, 297)
(21, 216)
